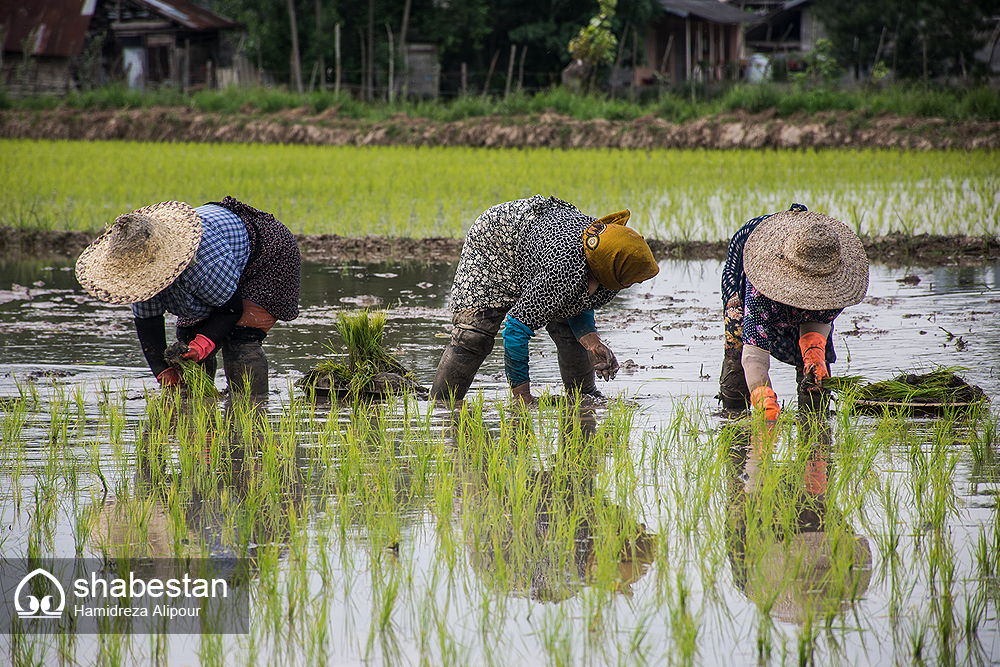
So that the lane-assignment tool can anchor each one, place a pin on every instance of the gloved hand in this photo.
(763, 398)
(169, 377)
(522, 392)
(813, 347)
(605, 364)
(199, 349)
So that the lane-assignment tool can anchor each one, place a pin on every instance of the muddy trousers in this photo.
(473, 338)
(243, 359)
(733, 390)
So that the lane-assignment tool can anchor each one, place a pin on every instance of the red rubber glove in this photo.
(764, 398)
(813, 347)
(169, 378)
(199, 349)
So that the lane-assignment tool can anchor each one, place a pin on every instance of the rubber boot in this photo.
(461, 359)
(733, 390)
(575, 365)
(244, 361)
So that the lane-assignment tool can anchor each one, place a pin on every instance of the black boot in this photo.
(575, 365)
(811, 397)
(244, 362)
(461, 359)
(733, 390)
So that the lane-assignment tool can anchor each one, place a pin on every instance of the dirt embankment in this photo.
(547, 130)
(892, 250)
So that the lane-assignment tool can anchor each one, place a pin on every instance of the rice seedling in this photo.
(425, 192)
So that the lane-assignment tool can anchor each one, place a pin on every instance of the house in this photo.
(40, 41)
(694, 39)
(50, 45)
(790, 29)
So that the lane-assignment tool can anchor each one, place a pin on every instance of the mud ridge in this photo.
(891, 250)
(546, 130)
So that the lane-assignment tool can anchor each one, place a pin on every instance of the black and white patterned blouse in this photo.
(527, 255)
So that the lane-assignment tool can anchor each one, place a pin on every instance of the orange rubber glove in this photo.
(813, 347)
(764, 398)
(199, 349)
(169, 378)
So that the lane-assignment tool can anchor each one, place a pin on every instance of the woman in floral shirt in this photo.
(534, 263)
(787, 277)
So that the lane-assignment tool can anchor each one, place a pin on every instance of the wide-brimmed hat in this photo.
(617, 255)
(807, 260)
(141, 254)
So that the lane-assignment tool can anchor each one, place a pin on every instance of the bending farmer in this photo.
(536, 263)
(787, 277)
(228, 271)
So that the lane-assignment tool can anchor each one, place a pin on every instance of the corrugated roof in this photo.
(53, 27)
(188, 14)
(59, 27)
(708, 10)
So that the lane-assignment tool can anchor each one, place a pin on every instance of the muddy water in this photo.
(667, 336)
(666, 333)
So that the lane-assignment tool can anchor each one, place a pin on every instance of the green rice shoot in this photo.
(941, 385)
(362, 333)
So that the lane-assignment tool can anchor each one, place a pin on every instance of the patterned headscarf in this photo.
(617, 255)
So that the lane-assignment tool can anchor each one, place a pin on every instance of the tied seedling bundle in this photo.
(935, 391)
(369, 368)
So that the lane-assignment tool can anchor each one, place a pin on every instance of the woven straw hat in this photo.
(141, 254)
(807, 260)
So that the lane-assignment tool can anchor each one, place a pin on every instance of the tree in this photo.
(595, 43)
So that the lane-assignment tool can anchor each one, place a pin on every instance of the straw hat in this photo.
(141, 254)
(807, 260)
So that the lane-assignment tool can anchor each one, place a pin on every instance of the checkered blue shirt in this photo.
(212, 277)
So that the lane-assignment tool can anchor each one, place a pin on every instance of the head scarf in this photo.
(617, 256)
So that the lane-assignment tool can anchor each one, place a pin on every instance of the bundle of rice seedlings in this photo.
(941, 386)
(367, 360)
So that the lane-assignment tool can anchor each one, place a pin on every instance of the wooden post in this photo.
(618, 61)
(465, 79)
(321, 63)
(489, 75)
(402, 47)
(510, 70)
(635, 63)
(364, 65)
(392, 64)
(336, 55)
(520, 69)
(370, 57)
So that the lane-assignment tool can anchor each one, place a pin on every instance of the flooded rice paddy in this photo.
(639, 532)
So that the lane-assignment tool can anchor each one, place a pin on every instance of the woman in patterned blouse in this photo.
(787, 277)
(534, 263)
(226, 270)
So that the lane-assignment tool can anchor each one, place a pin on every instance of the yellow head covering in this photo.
(617, 255)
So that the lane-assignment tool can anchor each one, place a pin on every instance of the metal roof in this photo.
(708, 10)
(188, 14)
(54, 27)
(59, 27)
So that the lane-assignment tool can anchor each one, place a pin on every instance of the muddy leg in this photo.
(472, 340)
(575, 365)
(733, 390)
(244, 362)
(813, 400)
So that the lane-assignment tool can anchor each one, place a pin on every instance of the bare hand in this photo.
(605, 364)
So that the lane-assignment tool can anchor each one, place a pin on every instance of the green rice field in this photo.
(422, 192)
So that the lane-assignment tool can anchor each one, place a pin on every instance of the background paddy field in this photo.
(674, 195)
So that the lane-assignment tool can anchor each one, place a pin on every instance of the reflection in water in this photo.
(791, 549)
(545, 530)
(206, 484)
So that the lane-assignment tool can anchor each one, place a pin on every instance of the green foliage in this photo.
(595, 43)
